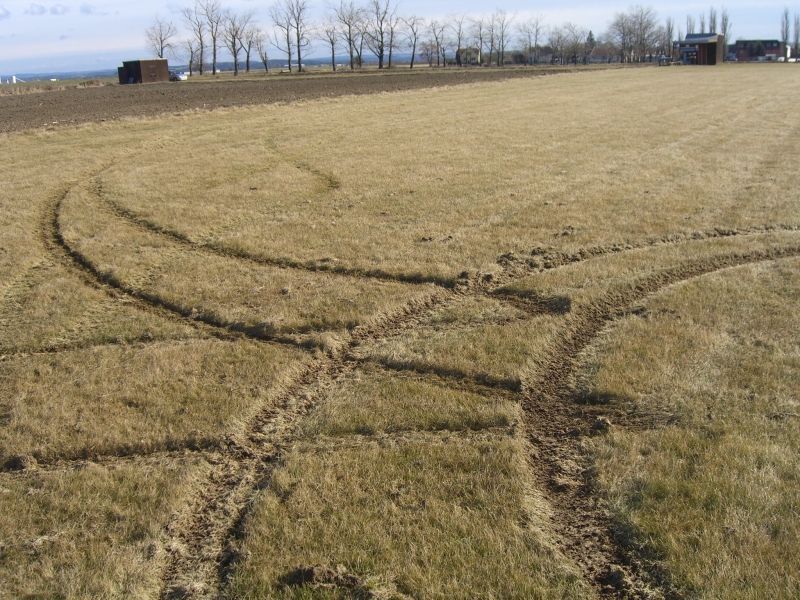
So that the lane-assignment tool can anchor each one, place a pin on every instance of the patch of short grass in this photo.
(376, 402)
(442, 519)
(228, 291)
(129, 399)
(95, 531)
(47, 308)
(712, 498)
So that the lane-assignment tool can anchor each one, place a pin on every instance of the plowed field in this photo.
(92, 104)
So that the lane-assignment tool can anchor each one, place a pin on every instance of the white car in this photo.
(177, 76)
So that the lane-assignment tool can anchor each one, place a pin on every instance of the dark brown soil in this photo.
(94, 104)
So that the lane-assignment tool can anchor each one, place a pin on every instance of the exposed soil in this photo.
(94, 104)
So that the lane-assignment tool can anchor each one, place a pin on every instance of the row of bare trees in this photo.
(376, 27)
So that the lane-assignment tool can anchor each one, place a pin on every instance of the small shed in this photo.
(702, 49)
(148, 70)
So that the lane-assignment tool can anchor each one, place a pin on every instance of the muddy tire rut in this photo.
(585, 530)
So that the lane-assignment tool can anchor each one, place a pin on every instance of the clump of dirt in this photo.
(19, 462)
(324, 577)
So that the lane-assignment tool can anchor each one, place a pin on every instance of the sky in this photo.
(81, 35)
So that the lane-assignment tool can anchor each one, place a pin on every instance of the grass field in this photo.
(533, 338)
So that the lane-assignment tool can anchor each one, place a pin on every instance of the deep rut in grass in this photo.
(556, 423)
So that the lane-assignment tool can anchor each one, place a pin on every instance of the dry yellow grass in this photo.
(93, 531)
(274, 221)
(442, 517)
(712, 498)
(224, 290)
(132, 399)
(429, 184)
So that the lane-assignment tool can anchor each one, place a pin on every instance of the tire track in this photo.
(217, 249)
(22, 465)
(203, 542)
(556, 425)
(543, 259)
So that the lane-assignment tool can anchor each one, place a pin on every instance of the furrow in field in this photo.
(556, 426)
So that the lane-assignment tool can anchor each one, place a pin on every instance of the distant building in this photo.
(702, 49)
(747, 50)
(604, 54)
(149, 70)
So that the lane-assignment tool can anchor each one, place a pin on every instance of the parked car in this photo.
(177, 76)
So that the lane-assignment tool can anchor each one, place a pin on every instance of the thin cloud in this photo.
(64, 37)
(87, 9)
(36, 10)
(4, 14)
(59, 9)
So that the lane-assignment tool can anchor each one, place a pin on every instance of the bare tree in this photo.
(378, 17)
(539, 31)
(394, 23)
(427, 50)
(556, 39)
(479, 35)
(725, 28)
(491, 36)
(282, 39)
(458, 26)
(785, 28)
(413, 28)
(437, 30)
(233, 33)
(159, 37)
(620, 32)
(573, 41)
(251, 34)
(261, 40)
(796, 34)
(669, 35)
(702, 23)
(191, 47)
(349, 17)
(297, 10)
(195, 20)
(504, 37)
(712, 20)
(212, 11)
(689, 24)
(329, 33)
(643, 20)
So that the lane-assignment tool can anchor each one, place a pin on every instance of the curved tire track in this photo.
(556, 425)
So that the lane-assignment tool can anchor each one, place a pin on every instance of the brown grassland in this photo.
(532, 338)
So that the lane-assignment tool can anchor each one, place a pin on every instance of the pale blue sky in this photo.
(67, 35)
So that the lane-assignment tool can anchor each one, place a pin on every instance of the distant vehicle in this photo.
(177, 76)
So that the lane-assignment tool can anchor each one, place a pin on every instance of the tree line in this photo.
(377, 28)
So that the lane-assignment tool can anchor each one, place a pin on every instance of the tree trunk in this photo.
(413, 52)
(299, 60)
(333, 57)
(350, 45)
